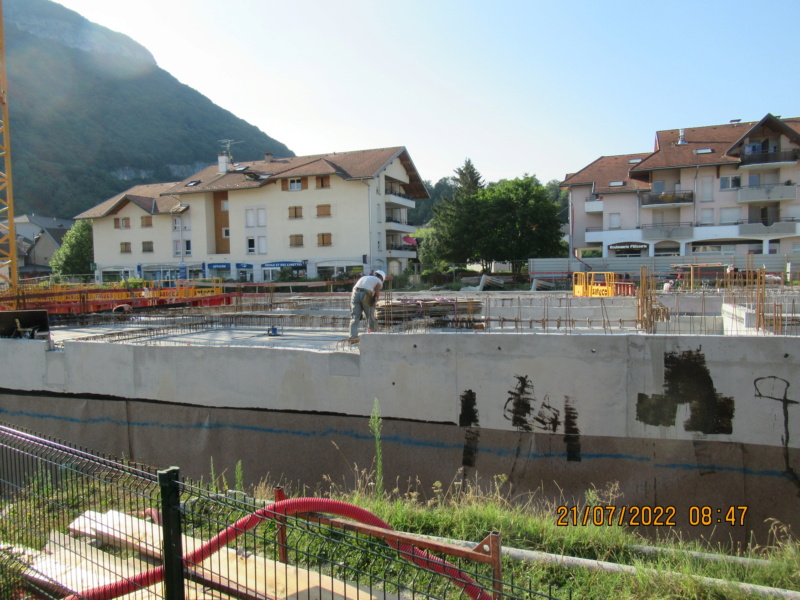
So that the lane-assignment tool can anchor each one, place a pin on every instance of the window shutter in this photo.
(284, 185)
(304, 183)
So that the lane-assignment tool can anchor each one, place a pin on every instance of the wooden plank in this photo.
(229, 570)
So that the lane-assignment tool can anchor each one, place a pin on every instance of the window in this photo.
(224, 206)
(706, 189)
(295, 212)
(707, 216)
(176, 247)
(261, 215)
(226, 232)
(262, 244)
(125, 247)
(251, 245)
(658, 187)
(730, 183)
(122, 223)
(147, 221)
(729, 215)
(187, 246)
(250, 217)
(147, 246)
(614, 221)
(295, 185)
(296, 241)
(324, 239)
(323, 210)
(323, 181)
(176, 224)
(754, 180)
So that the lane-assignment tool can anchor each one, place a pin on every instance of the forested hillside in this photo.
(91, 114)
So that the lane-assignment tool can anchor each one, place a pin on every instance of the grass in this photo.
(462, 509)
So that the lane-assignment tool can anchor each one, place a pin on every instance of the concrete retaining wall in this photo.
(676, 420)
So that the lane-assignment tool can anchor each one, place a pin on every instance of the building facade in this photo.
(719, 190)
(320, 216)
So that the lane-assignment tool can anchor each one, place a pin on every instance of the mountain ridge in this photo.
(92, 114)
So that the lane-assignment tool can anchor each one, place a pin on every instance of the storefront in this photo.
(221, 270)
(271, 271)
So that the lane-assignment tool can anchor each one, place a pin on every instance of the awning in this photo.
(410, 240)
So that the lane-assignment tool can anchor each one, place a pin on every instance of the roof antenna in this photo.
(226, 146)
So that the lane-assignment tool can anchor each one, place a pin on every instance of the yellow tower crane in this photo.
(8, 236)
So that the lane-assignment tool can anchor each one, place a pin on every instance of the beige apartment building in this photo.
(727, 189)
(319, 215)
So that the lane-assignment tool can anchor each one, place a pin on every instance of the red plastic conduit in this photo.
(289, 507)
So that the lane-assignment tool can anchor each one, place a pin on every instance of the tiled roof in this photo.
(148, 197)
(606, 169)
(671, 154)
(360, 164)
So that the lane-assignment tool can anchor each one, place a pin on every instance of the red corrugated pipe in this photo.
(287, 508)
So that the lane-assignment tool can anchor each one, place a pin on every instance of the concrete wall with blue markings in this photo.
(677, 421)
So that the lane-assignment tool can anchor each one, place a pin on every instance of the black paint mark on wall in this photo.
(519, 400)
(471, 439)
(468, 417)
(776, 388)
(469, 411)
(687, 380)
(572, 435)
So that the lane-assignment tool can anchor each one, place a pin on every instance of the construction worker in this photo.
(365, 295)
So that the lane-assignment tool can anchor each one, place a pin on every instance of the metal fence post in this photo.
(172, 550)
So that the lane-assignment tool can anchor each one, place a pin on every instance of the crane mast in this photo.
(8, 237)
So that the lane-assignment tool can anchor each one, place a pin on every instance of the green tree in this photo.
(76, 254)
(468, 180)
(518, 221)
(455, 224)
(423, 211)
(560, 197)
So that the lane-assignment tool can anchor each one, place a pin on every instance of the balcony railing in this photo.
(396, 190)
(652, 231)
(651, 198)
(767, 193)
(403, 247)
(396, 220)
(785, 225)
(769, 157)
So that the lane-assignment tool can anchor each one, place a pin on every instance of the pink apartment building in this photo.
(722, 189)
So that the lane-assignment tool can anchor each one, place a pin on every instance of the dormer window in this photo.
(704, 151)
(616, 184)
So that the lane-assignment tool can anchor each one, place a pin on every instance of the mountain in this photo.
(91, 114)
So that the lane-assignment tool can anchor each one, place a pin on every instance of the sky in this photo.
(518, 87)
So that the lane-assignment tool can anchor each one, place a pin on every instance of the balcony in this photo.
(593, 204)
(767, 193)
(398, 224)
(769, 158)
(652, 199)
(672, 231)
(786, 226)
(401, 250)
(395, 196)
